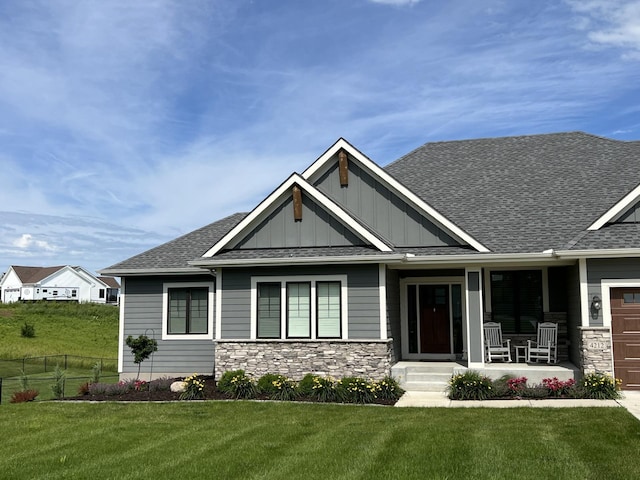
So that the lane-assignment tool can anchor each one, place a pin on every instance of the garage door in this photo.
(625, 330)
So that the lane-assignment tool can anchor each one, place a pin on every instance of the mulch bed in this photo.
(210, 393)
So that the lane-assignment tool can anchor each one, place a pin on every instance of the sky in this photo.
(126, 124)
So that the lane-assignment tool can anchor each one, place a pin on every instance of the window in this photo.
(298, 310)
(268, 310)
(187, 311)
(328, 298)
(288, 308)
(631, 297)
(516, 300)
(101, 293)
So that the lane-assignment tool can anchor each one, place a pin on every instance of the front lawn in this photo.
(260, 440)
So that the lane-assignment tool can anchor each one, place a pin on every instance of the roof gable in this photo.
(621, 211)
(34, 274)
(407, 203)
(253, 221)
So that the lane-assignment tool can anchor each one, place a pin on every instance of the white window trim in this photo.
(313, 279)
(165, 310)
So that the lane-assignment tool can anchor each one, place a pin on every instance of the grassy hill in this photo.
(83, 329)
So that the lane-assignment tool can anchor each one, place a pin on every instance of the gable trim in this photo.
(255, 216)
(395, 186)
(617, 210)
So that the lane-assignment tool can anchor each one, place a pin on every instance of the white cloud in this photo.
(611, 23)
(26, 241)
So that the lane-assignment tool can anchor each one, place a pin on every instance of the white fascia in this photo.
(396, 186)
(256, 215)
(475, 258)
(617, 210)
(603, 253)
(257, 262)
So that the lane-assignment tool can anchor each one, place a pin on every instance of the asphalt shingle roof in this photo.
(34, 274)
(524, 194)
(521, 194)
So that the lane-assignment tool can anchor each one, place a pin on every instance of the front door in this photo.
(434, 319)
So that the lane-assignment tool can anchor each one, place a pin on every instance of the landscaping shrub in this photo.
(470, 385)
(162, 384)
(193, 388)
(96, 372)
(237, 384)
(356, 390)
(83, 389)
(23, 396)
(278, 387)
(326, 389)
(388, 389)
(600, 386)
(305, 386)
(28, 330)
(58, 382)
(142, 348)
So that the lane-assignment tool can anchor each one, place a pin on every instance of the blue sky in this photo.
(125, 124)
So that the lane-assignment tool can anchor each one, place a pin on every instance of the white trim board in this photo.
(617, 210)
(605, 288)
(397, 187)
(165, 310)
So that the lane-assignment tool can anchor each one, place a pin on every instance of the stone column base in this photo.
(596, 353)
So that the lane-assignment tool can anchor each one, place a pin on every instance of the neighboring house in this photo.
(349, 268)
(61, 283)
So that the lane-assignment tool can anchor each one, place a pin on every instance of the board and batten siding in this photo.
(609, 268)
(362, 286)
(381, 209)
(281, 230)
(143, 316)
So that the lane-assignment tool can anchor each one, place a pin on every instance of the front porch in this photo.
(434, 376)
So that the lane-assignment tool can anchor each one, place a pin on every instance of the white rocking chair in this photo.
(546, 348)
(494, 347)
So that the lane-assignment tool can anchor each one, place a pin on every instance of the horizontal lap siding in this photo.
(613, 268)
(143, 315)
(362, 283)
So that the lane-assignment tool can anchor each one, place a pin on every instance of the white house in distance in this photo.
(61, 283)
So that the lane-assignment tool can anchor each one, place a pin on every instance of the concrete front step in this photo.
(412, 376)
(424, 386)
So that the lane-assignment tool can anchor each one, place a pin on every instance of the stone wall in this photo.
(294, 359)
(595, 350)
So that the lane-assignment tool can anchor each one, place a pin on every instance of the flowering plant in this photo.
(470, 385)
(193, 388)
(601, 386)
(556, 387)
(238, 384)
(517, 385)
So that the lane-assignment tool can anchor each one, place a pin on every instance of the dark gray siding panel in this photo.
(143, 316)
(236, 303)
(363, 301)
(609, 268)
(382, 209)
(316, 229)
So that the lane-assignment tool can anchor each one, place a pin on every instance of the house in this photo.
(352, 269)
(60, 283)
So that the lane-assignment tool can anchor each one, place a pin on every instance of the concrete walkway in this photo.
(630, 401)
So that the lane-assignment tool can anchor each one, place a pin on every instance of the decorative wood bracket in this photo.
(343, 162)
(297, 203)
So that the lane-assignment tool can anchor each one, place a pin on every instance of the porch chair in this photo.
(546, 347)
(494, 346)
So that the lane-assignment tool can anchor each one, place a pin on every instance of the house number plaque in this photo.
(598, 345)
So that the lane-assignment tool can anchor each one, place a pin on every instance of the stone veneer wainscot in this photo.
(596, 354)
(369, 359)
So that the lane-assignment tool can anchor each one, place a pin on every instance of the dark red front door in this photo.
(434, 319)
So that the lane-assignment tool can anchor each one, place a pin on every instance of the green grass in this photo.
(82, 329)
(251, 440)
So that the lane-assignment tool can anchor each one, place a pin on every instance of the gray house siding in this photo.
(380, 208)
(281, 230)
(143, 316)
(610, 268)
(363, 297)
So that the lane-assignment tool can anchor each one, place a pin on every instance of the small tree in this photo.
(142, 348)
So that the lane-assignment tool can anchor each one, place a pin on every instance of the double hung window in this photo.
(188, 311)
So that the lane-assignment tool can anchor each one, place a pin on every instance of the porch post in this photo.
(474, 316)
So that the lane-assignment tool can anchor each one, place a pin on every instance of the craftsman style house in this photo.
(349, 268)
